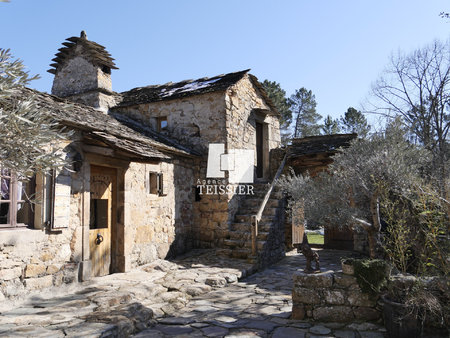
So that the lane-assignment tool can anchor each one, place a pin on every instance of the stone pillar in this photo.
(85, 264)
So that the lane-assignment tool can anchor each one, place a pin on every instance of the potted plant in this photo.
(347, 266)
(407, 303)
(415, 242)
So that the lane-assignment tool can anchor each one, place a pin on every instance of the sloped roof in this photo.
(96, 53)
(106, 128)
(170, 91)
(186, 88)
(319, 144)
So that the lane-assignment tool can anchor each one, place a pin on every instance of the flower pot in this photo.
(348, 268)
(400, 321)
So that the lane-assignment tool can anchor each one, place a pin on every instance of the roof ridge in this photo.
(205, 78)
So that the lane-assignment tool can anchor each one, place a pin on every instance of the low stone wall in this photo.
(331, 297)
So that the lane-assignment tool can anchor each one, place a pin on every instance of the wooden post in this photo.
(254, 223)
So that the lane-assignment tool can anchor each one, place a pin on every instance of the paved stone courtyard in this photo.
(198, 295)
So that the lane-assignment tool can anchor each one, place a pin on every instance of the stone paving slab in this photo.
(260, 306)
(123, 303)
(197, 295)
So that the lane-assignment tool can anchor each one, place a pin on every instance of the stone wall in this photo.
(242, 102)
(148, 227)
(331, 297)
(274, 249)
(158, 226)
(39, 258)
(196, 121)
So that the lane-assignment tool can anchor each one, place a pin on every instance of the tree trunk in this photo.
(374, 231)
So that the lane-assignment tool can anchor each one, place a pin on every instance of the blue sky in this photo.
(335, 48)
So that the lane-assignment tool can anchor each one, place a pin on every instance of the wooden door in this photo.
(298, 223)
(259, 150)
(102, 209)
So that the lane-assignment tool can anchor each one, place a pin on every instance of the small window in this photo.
(15, 205)
(161, 123)
(156, 184)
(99, 214)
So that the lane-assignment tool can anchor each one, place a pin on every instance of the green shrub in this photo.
(371, 274)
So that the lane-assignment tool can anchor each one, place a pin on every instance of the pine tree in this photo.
(330, 126)
(303, 104)
(355, 122)
(278, 97)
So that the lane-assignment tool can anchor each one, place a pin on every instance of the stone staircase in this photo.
(238, 243)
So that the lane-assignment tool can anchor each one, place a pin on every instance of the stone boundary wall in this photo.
(331, 297)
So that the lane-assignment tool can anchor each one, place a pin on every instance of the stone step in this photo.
(240, 253)
(241, 244)
(244, 227)
(234, 243)
(263, 235)
(256, 202)
(246, 235)
(259, 245)
(264, 227)
(262, 194)
(246, 218)
(270, 211)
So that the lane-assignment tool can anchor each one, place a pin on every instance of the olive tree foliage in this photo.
(28, 135)
(416, 87)
(350, 192)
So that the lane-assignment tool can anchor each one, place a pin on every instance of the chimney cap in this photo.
(94, 52)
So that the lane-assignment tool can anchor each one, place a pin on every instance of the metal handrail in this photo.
(256, 218)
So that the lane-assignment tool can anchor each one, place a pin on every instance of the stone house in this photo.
(133, 191)
(312, 155)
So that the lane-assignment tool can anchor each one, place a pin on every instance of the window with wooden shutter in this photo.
(156, 183)
(15, 200)
(53, 194)
(61, 189)
(161, 184)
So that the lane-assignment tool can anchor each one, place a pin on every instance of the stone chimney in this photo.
(82, 71)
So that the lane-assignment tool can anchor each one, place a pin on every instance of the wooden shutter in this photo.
(61, 189)
(161, 184)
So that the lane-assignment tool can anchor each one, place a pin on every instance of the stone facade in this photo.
(153, 227)
(331, 297)
(163, 227)
(227, 117)
(133, 189)
(39, 258)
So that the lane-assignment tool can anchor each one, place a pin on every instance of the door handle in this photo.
(99, 239)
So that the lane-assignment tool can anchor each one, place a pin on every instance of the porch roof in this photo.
(97, 125)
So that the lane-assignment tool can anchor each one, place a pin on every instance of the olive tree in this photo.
(28, 135)
(350, 191)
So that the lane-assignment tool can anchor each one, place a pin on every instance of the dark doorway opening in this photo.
(259, 150)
